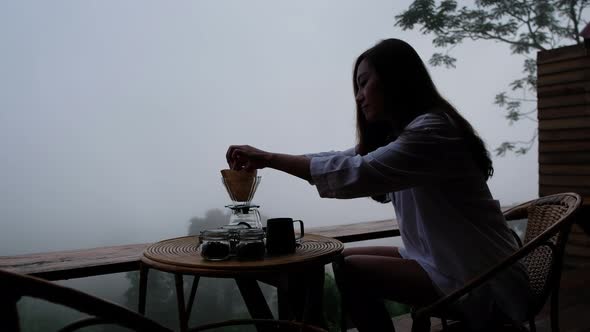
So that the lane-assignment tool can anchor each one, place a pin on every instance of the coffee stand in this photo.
(297, 276)
(294, 265)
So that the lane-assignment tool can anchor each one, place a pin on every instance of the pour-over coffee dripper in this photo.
(241, 187)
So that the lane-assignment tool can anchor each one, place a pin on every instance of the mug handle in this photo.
(301, 226)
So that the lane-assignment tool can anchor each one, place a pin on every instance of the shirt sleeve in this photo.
(429, 150)
(349, 152)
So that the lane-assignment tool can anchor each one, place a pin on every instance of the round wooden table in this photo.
(301, 272)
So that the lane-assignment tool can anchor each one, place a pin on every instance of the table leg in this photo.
(143, 276)
(313, 307)
(182, 316)
(191, 299)
(298, 293)
(255, 301)
(284, 296)
(301, 296)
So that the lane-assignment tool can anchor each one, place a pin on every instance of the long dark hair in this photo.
(409, 92)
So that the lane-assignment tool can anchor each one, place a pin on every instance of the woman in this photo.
(416, 151)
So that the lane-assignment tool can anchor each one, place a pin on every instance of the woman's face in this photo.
(369, 97)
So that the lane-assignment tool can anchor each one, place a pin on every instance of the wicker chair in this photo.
(14, 286)
(549, 221)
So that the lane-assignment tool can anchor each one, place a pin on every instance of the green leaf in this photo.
(517, 84)
(503, 148)
(512, 116)
(500, 99)
(513, 105)
(439, 59)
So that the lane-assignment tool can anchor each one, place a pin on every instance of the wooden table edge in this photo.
(246, 271)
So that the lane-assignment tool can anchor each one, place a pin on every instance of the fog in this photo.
(115, 115)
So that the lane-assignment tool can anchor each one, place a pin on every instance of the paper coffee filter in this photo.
(232, 174)
(240, 185)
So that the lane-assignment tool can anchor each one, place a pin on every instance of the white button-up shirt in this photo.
(448, 220)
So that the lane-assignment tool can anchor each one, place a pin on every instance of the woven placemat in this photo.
(184, 251)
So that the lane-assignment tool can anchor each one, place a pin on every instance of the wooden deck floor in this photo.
(574, 303)
(574, 306)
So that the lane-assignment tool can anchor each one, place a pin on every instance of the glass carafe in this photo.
(245, 215)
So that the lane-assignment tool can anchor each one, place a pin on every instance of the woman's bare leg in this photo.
(387, 251)
(368, 275)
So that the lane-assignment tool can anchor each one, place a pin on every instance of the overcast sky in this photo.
(115, 115)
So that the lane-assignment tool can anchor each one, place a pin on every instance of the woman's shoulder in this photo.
(434, 119)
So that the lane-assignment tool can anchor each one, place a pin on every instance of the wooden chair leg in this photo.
(421, 325)
(554, 314)
(532, 325)
(343, 320)
(9, 318)
(445, 324)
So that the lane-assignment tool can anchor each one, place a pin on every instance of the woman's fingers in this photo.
(237, 157)
(231, 156)
(243, 157)
(232, 165)
(228, 155)
(230, 152)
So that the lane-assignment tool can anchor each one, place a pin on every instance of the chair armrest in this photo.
(105, 311)
(516, 238)
(517, 212)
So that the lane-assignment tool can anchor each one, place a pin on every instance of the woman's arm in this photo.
(249, 158)
(348, 152)
(429, 151)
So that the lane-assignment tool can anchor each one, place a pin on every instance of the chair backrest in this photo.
(14, 286)
(553, 213)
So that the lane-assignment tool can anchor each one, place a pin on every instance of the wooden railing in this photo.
(106, 260)
(71, 264)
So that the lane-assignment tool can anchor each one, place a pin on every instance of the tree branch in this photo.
(530, 28)
(524, 25)
(580, 10)
(574, 18)
(526, 22)
(475, 35)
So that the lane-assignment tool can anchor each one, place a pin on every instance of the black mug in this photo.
(280, 235)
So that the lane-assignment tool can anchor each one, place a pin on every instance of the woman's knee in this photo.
(387, 251)
(349, 273)
(354, 266)
(345, 271)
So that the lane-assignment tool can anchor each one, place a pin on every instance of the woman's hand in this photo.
(247, 157)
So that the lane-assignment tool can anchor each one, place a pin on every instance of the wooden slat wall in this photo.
(564, 120)
(563, 90)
